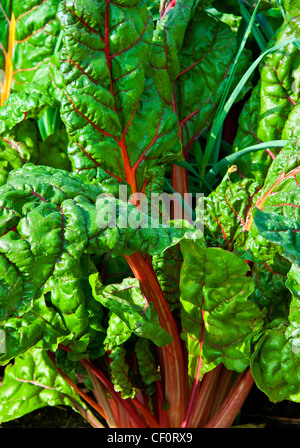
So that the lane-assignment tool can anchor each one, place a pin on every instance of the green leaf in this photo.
(40, 326)
(219, 322)
(106, 63)
(277, 95)
(227, 210)
(167, 267)
(28, 37)
(18, 146)
(128, 302)
(53, 151)
(44, 236)
(119, 373)
(24, 105)
(187, 43)
(147, 364)
(32, 383)
(276, 359)
(276, 215)
(272, 110)
(270, 289)
(125, 229)
(117, 331)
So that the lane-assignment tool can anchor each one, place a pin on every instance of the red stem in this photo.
(150, 419)
(127, 407)
(223, 389)
(203, 400)
(160, 403)
(171, 356)
(89, 400)
(233, 403)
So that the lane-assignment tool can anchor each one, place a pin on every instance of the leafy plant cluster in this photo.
(180, 96)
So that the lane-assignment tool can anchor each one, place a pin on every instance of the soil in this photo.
(49, 417)
(257, 412)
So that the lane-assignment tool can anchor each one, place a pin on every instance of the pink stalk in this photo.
(102, 400)
(160, 403)
(171, 356)
(230, 408)
(223, 388)
(170, 6)
(89, 400)
(126, 405)
(150, 419)
(204, 398)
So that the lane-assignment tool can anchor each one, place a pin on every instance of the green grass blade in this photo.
(217, 125)
(261, 42)
(229, 160)
(265, 25)
(219, 120)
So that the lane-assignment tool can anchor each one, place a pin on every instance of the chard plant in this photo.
(167, 323)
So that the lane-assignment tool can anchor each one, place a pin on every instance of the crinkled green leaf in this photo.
(40, 325)
(32, 383)
(280, 230)
(147, 364)
(253, 164)
(270, 289)
(277, 94)
(275, 364)
(128, 302)
(117, 331)
(277, 204)
(218, 320)
(21, 145)
(119, 373)
(29, 34)
(266, 363)
(190, 61)
(18, 146)
(23, 105)
(127, 129)
(29, 38)
(227, 210)
(167, 269)
(44, 235)
(272, 110)
(124, 229)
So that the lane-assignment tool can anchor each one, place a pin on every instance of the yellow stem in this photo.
(8, 61)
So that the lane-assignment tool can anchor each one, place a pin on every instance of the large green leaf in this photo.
(28, 37)
(277, 206)
(126, 130)
(276, 359)
(43, 239)
(40, 325)
(219, 322)
(32, 383)
(190, 62)
(119, 373)
(128, 302)
(167, 267)
(272, 110)
(227, 210)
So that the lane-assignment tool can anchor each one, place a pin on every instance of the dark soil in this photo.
(49, 417)
(257, 412)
